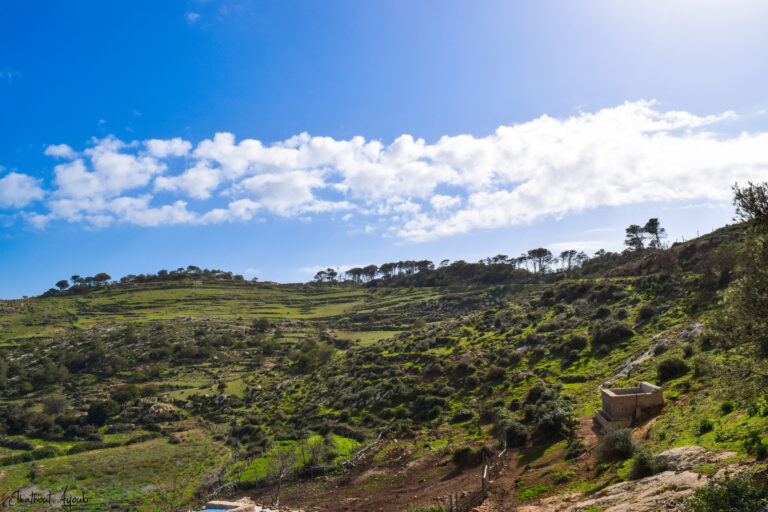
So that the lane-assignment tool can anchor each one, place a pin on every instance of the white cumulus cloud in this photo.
(18, 190)
(60, 151)
(161, 148)
(628, 154)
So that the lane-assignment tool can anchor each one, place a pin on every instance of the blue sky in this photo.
(363, 132)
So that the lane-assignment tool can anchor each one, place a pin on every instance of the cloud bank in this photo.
(632, 153)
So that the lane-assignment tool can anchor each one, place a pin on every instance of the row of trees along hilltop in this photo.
(535, 261)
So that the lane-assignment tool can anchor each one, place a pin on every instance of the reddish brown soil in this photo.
(426, 481)
(393, 487)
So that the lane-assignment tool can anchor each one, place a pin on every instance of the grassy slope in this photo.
(521, 329)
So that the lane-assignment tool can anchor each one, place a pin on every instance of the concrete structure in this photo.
(624, 406)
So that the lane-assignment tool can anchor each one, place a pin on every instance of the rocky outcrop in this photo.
(644, 495)
(649, 494)
(689, 457)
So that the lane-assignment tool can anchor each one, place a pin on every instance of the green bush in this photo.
(17, 443)
(754, 445)
(551, 412)
(609, 333)
(704, 426)
(671, 368)
(554, 417)
(517, 434)
(41, 453)
(466, 456)
(471, 382)
(726, 407)
(126, 393)
(615, 445)
(742, 493)
(645, 312)
(464, 369)
(645, 464)
(462, 414)
(574, 448)
(100, 411)
(578, 342)
(494, 373)
(602, 312)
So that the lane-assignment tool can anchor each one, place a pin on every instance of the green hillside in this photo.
(153, 395)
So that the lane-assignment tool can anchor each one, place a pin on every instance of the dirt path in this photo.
(588, 430)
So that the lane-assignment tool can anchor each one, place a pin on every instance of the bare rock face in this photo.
(645, 495)
(649, 494)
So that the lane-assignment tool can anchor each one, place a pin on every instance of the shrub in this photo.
(704, 426)
(55, 404)
(260, 324)
(539, 392)
(17, 443)
(495, 373)
(462, 414)
(562, 477)
(754, 445)
(126, 393)
(578, 342)
(743, 493)
(671, 368)
(466, 456)
(602, 312)
(645, 312)
(645, 464)
(41, 453)
(609, 333)
(538, 353)
(570, 357)
(433, 369)
(464, 369)
(726, 407)
(471, 382)
(700, 364)
(554, 417)
(615, 445)
(517, 433)
(99, 412)
(574, 448)
(548, 409)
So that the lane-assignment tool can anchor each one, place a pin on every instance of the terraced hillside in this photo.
(384, 396)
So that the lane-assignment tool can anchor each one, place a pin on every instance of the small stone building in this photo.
(624, 406)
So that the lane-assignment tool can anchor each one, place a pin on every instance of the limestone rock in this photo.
(688, 457)
(645, 495)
